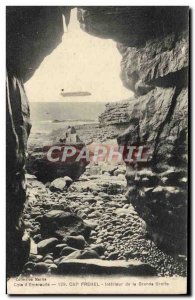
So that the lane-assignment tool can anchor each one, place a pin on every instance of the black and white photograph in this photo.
(97, 122)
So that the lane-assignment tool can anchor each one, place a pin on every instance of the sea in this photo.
(49, 116)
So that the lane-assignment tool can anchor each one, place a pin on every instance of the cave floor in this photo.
(99, 200)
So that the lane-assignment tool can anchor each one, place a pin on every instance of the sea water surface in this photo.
(48, 116)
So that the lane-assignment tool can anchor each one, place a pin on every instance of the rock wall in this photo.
(32, 33)
(153, 42)
(159, 191)
(17, 131)
(115, 114)
(133, 25)
(159, 62)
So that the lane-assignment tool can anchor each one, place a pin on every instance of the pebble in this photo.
(40, 268)
(67, 251)
(88, 254)
(77, 242)
(113, 255)
(116, 227)
(47, 245)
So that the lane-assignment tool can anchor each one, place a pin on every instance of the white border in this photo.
(2, 97)
(98, 3)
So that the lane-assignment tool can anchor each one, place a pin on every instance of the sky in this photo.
(80, 63)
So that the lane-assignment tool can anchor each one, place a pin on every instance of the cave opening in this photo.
(80, 63)
(72, 87)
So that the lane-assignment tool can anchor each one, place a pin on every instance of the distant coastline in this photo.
(49, 116)
(70, 120)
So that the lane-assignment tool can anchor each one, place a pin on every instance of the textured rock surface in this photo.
(61, 224)
(100, 183)
(132, 25)
(46, 170)
(92, 132)
(117, 232)
(77, 242)
(32, 33)
(102, 267)
(17, 131)
(160, 62)
(154, 49)
(115, 114)
(159, 120)
(59, 184)
(47, 245)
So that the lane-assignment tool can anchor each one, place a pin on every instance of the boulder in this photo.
(68, 179)
(40, 268)
(77, 242)
(100, 184)
(61, 224)
(30, 177)
(88, 254)
(99, 248)
(102, 267)
(79, 254)
(113, 255)
(59, 184)
(47, 171)
(47, 245)
(67, 250)
(53, 268)
(74, 255)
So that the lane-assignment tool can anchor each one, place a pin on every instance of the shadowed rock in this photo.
(102, 267)
(61, 224)
(154, 46)
(47, 245)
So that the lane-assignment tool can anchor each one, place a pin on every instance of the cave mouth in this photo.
(82, 68)
(67, 93)
(49, 123)
(71, 88)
